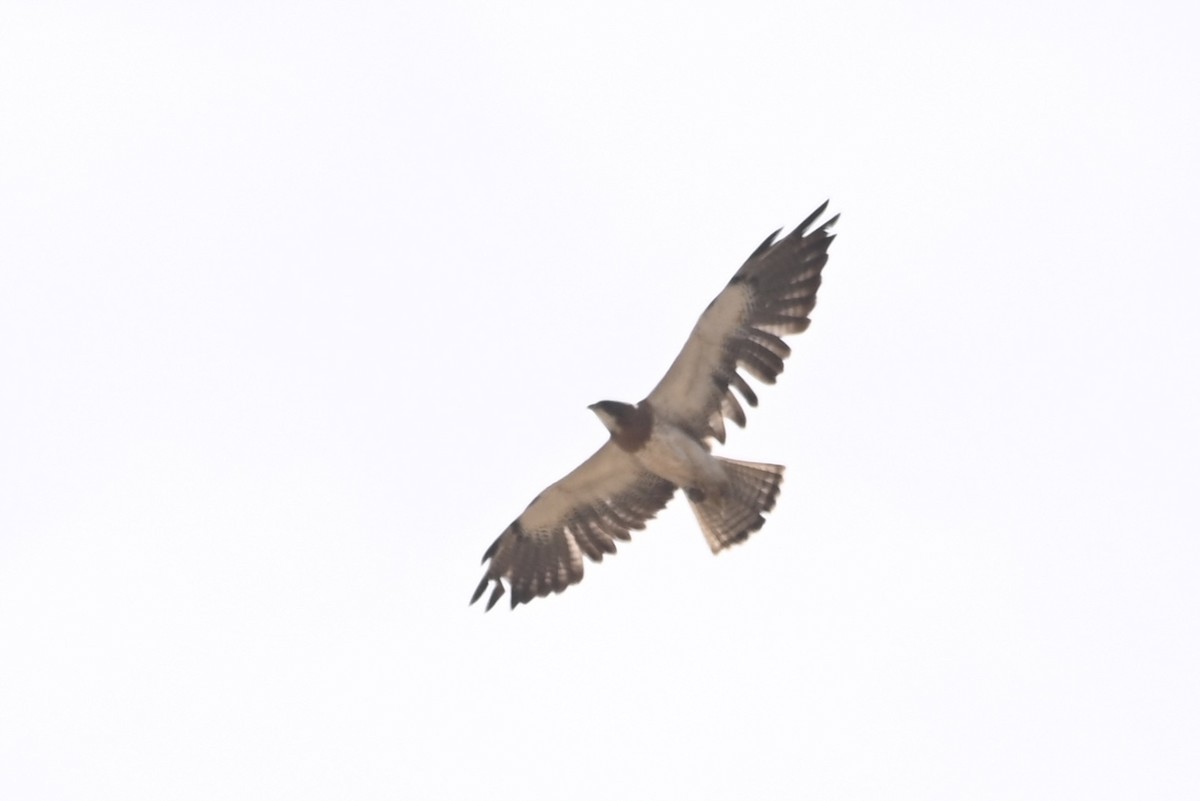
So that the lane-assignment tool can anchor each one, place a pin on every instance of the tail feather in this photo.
(738, 512)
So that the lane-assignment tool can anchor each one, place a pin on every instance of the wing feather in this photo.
(770, 296)
(580, 515)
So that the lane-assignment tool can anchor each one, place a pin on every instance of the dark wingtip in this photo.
(800, 230)
(803, 227)
(491, 551)
(479, 590)
(765, 246)
(495, 596)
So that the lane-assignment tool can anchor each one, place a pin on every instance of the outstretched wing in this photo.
(583, 513)
(770, 296)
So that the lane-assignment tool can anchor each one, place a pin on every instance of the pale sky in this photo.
(301, 304)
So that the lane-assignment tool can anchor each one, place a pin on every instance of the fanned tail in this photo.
(738, 512)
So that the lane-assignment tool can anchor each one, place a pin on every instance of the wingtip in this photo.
(803, 227)
(479, 591)
(491, 551)
(765, 246)
(495, 596)
(801, 230)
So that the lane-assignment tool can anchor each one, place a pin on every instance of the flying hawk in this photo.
(663, 443)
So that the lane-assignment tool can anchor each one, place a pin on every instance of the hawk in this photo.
(663, 443)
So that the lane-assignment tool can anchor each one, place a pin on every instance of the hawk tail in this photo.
(738, 512)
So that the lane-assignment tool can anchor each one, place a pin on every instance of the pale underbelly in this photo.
(675, 456)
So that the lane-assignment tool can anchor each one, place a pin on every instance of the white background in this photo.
(301, 304)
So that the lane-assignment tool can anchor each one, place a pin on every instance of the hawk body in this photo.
(663, 443)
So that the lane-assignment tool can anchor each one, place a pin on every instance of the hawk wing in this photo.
(581, 514)
(771, 295)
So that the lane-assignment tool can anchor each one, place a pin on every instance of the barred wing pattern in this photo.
(770, 296)
(583, 514)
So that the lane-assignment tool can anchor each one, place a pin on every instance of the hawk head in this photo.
(615, 415)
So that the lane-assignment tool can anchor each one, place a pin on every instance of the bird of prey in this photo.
(664, 442)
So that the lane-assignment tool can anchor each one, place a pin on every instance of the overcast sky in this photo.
(301, 304)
